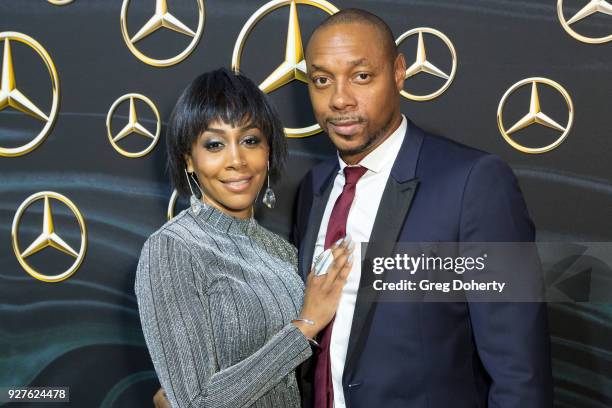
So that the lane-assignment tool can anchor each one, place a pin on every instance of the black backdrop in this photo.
(84, 332)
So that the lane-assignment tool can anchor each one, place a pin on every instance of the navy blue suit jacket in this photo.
(437, 355)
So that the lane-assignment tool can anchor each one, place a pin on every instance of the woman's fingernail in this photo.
(350, 258)
(338, 242)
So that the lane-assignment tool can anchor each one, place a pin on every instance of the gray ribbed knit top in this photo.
(216, 295)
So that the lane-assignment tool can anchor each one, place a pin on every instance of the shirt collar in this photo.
(384, 155)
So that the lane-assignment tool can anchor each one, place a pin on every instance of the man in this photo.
(393, 182)
(407, 186)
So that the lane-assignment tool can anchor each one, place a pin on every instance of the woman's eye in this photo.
(213, 145)
(251, 140)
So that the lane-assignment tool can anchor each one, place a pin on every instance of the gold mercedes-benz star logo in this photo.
(422, 64)
(294, 65)
(535, 115)
(11, 96)
(48, 236)
(592, 7)
(133, 126)
(162, 18)
(60, 2)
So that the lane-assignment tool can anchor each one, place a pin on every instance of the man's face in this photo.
(354, 87)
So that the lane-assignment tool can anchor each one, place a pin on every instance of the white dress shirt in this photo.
(368, 193)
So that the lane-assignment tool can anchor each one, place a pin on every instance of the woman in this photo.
(223, 310)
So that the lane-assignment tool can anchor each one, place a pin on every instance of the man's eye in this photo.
(321, 81)
(363, 76)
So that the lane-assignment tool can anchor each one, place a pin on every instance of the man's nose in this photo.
(342, 98)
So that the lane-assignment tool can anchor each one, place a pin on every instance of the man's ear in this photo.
(188, 163)
(399, 68)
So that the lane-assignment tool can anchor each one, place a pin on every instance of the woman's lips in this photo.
(237, 185)
(345, 128)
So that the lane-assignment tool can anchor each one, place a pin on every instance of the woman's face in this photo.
(231, 165)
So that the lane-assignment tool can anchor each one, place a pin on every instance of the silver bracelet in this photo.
(307, 321)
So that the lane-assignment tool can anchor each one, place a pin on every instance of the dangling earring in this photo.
(269, 198)
(197, 185)
(194, 204)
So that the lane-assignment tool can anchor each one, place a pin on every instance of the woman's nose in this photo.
(236, 158)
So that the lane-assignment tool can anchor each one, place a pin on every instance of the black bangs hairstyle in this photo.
(220, 95)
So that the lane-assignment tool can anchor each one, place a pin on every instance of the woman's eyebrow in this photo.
(215, 130)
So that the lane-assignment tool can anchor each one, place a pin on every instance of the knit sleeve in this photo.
(178, 331)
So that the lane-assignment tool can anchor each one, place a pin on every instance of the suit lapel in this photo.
(321, 194)
(390, 218)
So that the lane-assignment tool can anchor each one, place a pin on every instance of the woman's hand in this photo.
(323, 292)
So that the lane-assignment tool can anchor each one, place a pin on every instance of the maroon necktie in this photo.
(336, 229)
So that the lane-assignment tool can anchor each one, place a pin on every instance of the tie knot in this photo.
(353, 174)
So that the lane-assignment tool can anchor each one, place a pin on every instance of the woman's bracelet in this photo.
(309, 322)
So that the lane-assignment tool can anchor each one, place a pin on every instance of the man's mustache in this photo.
(338, 120)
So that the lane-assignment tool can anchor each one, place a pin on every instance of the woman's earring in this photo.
(188, 182)
(194, 205)
(197, 185)
(269, 198)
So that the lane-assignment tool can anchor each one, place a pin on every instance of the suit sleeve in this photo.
(512, 338)
(178, 331)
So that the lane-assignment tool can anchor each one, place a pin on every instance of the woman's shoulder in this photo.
(172, 231)
(165, 253)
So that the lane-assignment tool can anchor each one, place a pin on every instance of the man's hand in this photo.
(160, 400)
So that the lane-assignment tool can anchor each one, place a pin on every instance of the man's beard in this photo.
(372, 139)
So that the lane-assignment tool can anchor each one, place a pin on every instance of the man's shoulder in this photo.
(320, 171)
(443, 156)
(438, 146)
